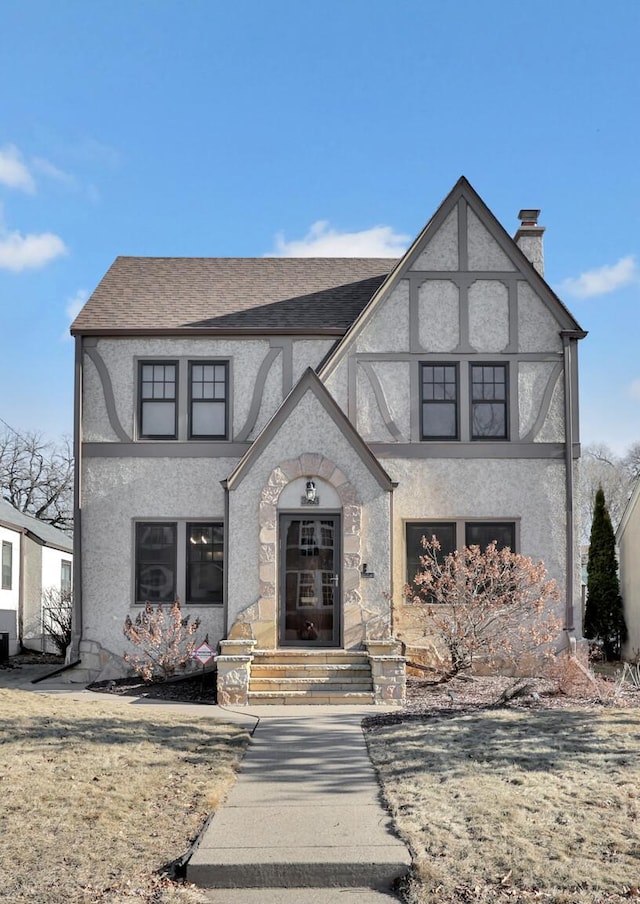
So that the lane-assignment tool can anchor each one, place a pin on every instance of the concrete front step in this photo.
(329, 685)
(313, 671)
(310, 697)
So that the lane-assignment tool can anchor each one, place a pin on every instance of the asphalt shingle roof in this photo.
(268, 293)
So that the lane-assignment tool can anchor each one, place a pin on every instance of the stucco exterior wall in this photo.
(484, 252)
(388, 328)
(538, 330)
(117, 491)
(441, 253)
(309, 429)
(532, 493)
(488, 315)
(628, 546)
(308, 353)
(439, 315)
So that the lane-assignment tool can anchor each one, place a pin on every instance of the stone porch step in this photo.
(310, 697)
(310, 677)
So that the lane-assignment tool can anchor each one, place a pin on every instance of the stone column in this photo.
(234, 671)
(388, 672)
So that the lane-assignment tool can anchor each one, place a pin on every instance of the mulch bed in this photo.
(187, 689)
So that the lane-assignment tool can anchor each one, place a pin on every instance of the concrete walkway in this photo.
(303, 824)
(304, 813)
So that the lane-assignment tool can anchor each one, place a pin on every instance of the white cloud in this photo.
(75, 303)
(634, 389)
(28, 252)
(323, 241)
(53, 172)
(14, 172)
(602, 280)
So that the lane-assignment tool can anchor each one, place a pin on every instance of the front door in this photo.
(310, 581)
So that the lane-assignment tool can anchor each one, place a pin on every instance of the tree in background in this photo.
(493, 604)
(604, 616)
(601, 467)
(36, 477)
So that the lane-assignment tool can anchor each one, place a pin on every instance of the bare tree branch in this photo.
(36, 477)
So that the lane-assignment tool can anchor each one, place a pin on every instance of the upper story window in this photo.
(7, 565)
(439, 396)
(208, 400)
(183, 400)
(158, 399)
(489, 401)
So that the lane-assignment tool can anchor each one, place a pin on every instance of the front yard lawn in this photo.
(515, 804)
(98, 796)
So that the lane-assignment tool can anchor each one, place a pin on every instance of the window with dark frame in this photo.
(158, 399)
(208, 382)
(205, 563)
(156, 562)
(482, 533)
(489, 401)
(7, 565)
(476, 533)
(439, 401)
(445, 531)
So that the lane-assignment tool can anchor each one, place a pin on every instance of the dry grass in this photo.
(98, 796)
(518, 805)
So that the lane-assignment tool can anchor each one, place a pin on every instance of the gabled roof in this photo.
(631, 507)
(309, 382)
(218, 295)
(47, 534)
(461, 190)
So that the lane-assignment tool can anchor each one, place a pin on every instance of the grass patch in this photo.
(519, 806)
(98, 797)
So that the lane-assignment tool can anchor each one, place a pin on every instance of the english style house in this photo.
(268, 439)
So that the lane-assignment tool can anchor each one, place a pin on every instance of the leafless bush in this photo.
(164, 640)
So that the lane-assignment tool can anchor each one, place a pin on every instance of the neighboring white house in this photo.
(269, 438)
(35, 557)
(628, 541)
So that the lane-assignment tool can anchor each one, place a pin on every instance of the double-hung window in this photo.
(158, 399)
(439, 414)
(65, 579)
(7, 565)
(183, 400)
(179, 559)
(489, 401)
(208, 400)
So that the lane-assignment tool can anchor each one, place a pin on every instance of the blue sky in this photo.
(205, 128)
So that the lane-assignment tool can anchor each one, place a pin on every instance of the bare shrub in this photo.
(492, 605)
(164, 640)
(573, 676)
(56, 617)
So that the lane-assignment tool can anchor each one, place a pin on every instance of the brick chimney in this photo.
(528, 238)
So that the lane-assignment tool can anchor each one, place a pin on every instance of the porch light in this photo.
(310, 491)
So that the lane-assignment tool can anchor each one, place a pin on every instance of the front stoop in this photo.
(310, 677)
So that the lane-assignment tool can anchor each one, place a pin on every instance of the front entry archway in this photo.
(310, 580)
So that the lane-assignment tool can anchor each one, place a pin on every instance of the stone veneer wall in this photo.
(262, 615)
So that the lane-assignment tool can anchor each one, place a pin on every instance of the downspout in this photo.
(73, 651)
(21, 576)
(225, 486)
(392, 605)
(569, 339)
